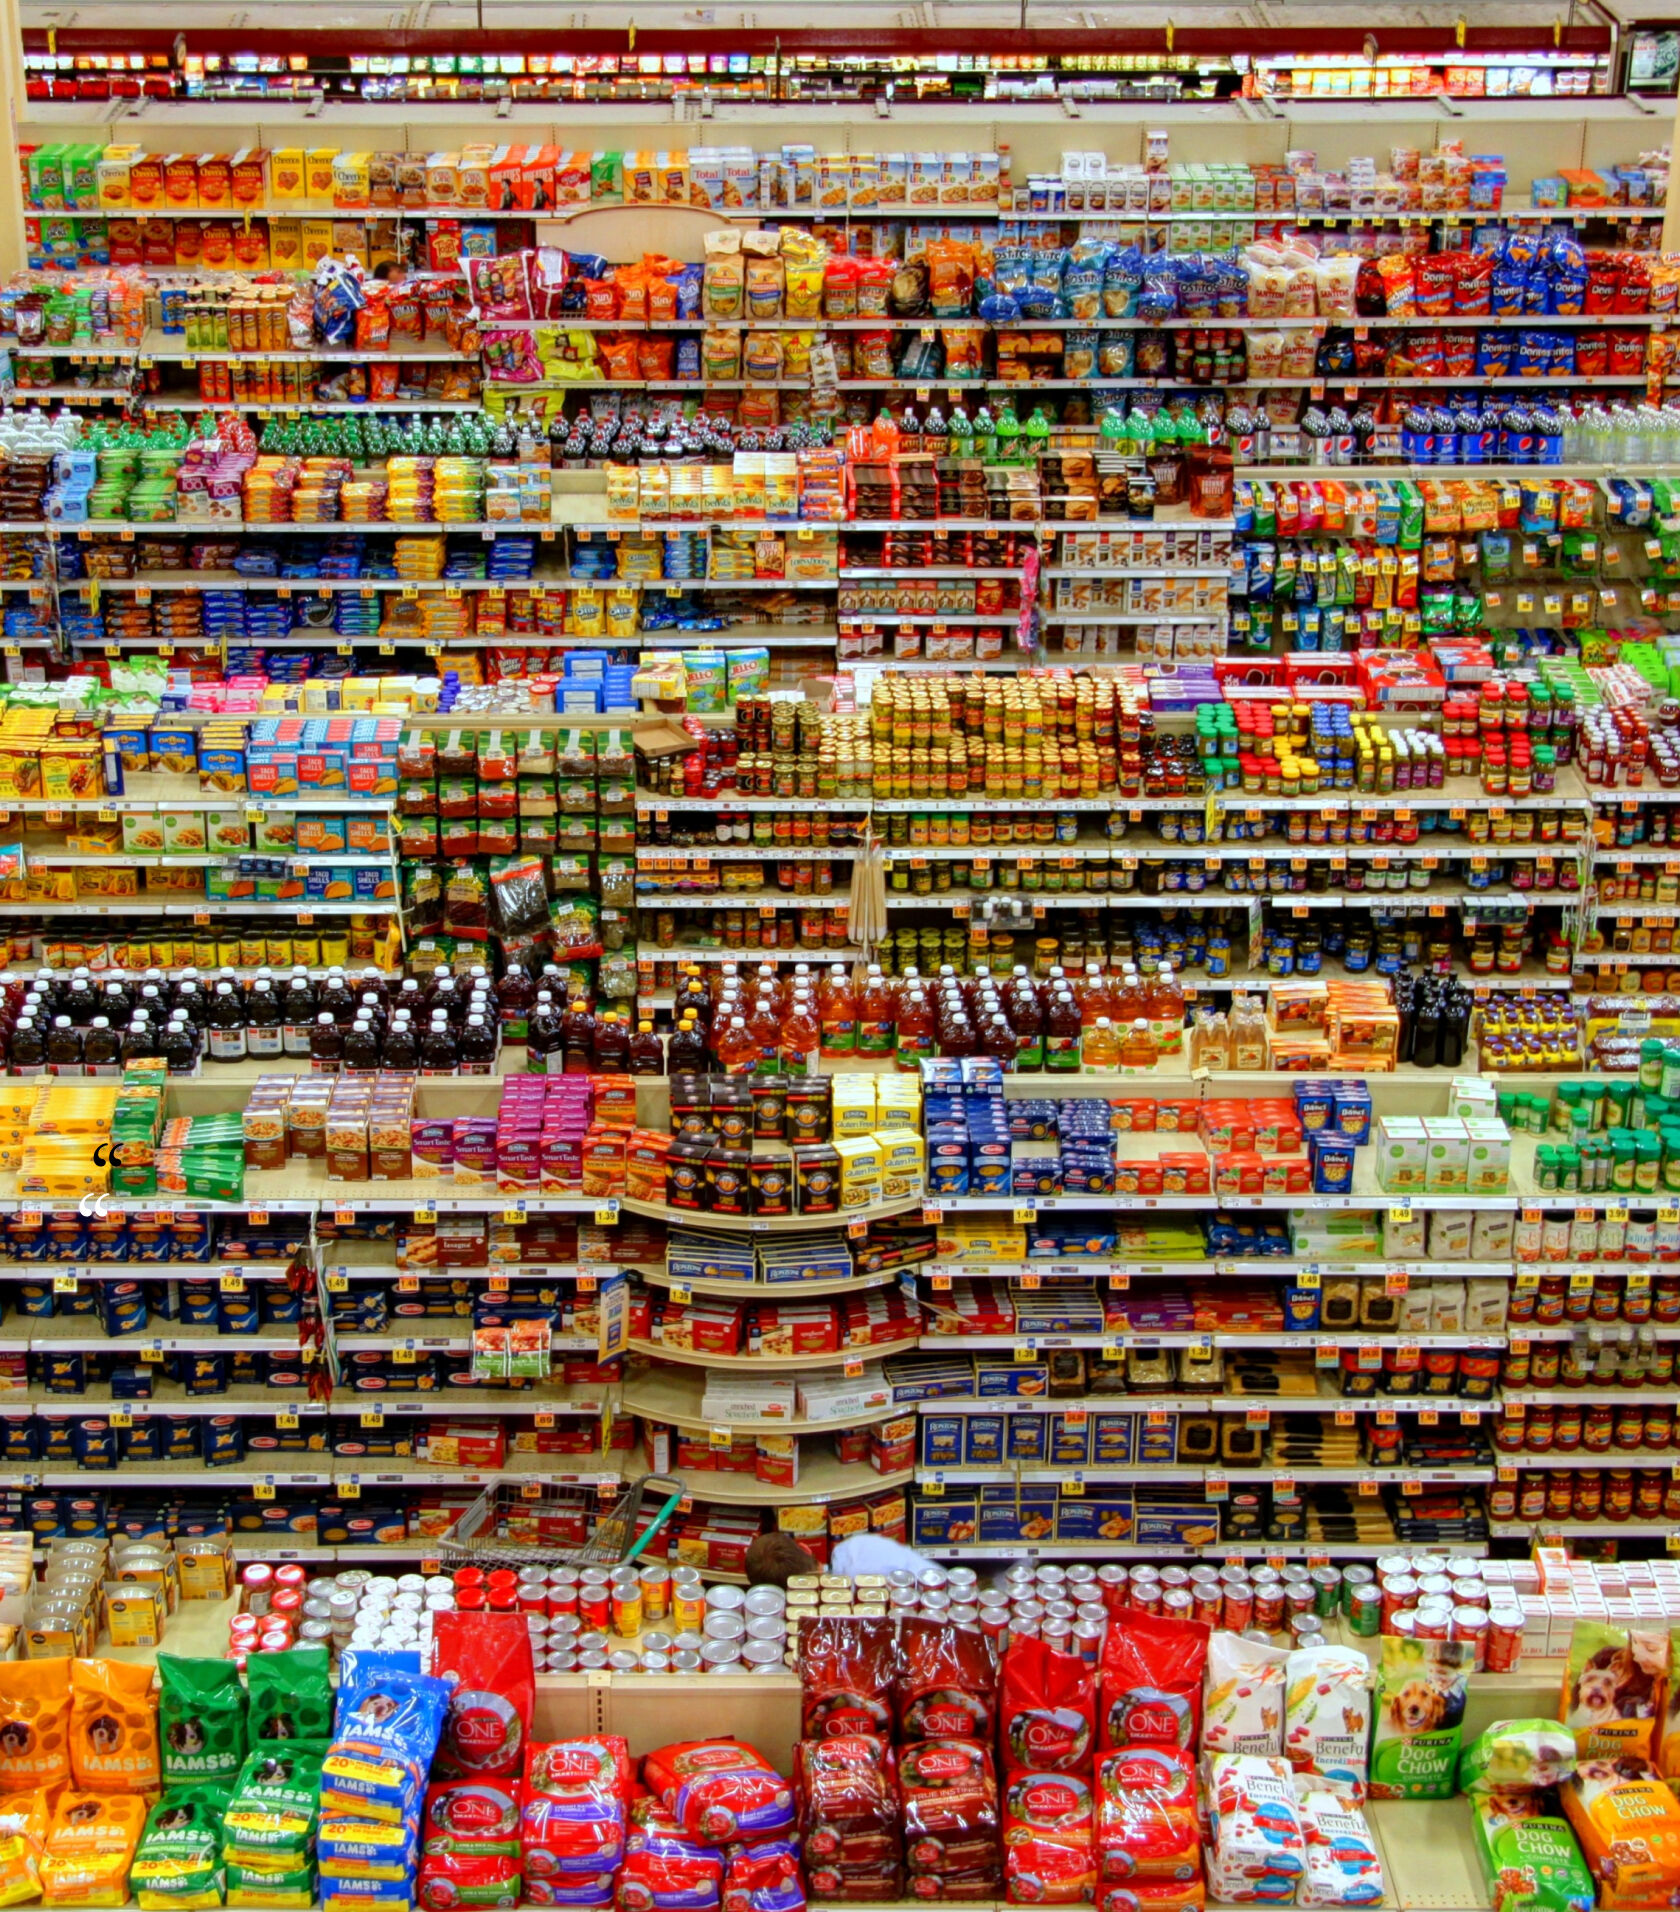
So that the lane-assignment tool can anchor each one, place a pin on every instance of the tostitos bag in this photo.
(1243, 1697)
(1152, 1680)
(1048, 1707)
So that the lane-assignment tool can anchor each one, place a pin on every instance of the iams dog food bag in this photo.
(1421, 1686)
(113, 1728)
(1613, 1689)
(201, 1720)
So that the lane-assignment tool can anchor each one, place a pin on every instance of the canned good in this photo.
(1327, 1591)
(1087, 1640)
(1470, 1624)
(1504, 1638)
(656, 1590)
(685, 1662)
(1363, 1610)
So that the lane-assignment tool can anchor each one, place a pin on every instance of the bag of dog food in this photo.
(1146, 1815)
(201, 1720)
(950, 1800)
(720, 1790)
(1529, 1858)
(289, 1695)
(472, 1816)
(179, 1862)
(1342, 1863)
(365, 1849)
(1628, 1823)
(847, 1669)
(1327, 1714)
(947, 1681)
(1258, 1851)
(1421, 1686)
(848, 1818)
(762, 1878)
(270, 1820)
(90, 1848)
(1049, 1709)
(292, 1890)
(453, 1881)
(390, 1722)
(1049, 1839)
(666, 1869)
(575, 1809)
(113, 1727)
(1243, 1696)
(34, 1724)
(485, 1659)
(24, 1822)
(1153, 1895)
(1152, 1680)
(1614, 1683)
(1521, 1754)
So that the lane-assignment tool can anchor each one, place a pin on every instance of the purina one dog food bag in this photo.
(1421, 1685)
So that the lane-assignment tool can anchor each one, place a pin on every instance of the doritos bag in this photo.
(947, 1681)
(1049, 1709)
(485, 1658)
(720, 1790)
(847, 1668)
(1152, 1680)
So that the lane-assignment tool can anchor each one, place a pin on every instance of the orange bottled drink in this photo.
(1127, 1001)
(877, 1021)
(837, 1012)
(1094, 996)
(737, 1052)
(915, 1030)
(801, 1039)
(1137, 1046)
(1101, 1045)
(1166, 1015)
(764, 1025)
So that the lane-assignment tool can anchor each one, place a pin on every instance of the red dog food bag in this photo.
(950, 1812)
(486, 1658)
(474, 1816)
(1146, 1825)
(848, 1818)
(575, 1811)
(667, 1869)
(947, 1681)
(1048, 1705)
(847, 1669)
(763, 1878)
(448, 1881)
(1049, 1839)
(1152, 1680)
(720, 1790)
(1153, 1895)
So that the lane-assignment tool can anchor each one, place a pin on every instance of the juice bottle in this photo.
(1093, 994)
(647, 1052)
(542, 1041)
(139, 1040)
(64, 1048)
(263, 1034)
(180, 1046)
(29, 1047)
(876, 1020)
(577, 1037)
(692, 996)
(361, 1048)
(101, 1048)
(687, 1052)
(1136, 1047)
(837, 1012)
(1248, 1035)
(1210, 1040)
(764, 1025)
(227, 1026)
(440, 1053)
(801, 1039)
(298, 1012)
(1102, 1045)
(326, 1045)
(915, 1029)
(998, 1041)
(1025, 1009)
(515, 996)
(401, 1048)
(737, 1052)
(1063, 1026)
(611, 1047)
(1166, 1014)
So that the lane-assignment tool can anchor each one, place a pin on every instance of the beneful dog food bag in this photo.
(201, 1720)
(113, 1728)
(1628, 1823)
(1259, 1849)
(34, 1724)
(1613, 1687)
(1342, 1863)
(1421, 1686)
(1529, 1858)
(1243, 1698)
(1327, 1715)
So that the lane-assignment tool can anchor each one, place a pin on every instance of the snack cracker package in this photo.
(1421, 1685)
(1146, 1815)
(720, 1790)
(1327, 1714)
(1613, 1689)
(1517, 1755)
(1152, 1680)
(34, 1724)
(1342, 1863)
(179, 1861)
(201, 1720)
(113, 1727)
(1628, 1823)
(1243, 1696)
(847, 1669)
(90, 1847)
(1259, 1852)
(485, 1659)
(1048, 1709)
(1049, 1839)
(1529, 1858)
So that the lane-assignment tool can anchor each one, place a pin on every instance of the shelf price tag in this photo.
(286, 1419)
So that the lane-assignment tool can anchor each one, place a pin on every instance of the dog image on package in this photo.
(1419, 1715)
(1613, 1687)
(1628, 1823)
(1529, 1857)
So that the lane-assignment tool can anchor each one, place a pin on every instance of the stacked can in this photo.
(944, 1593)
(1436, 1597)
(272, 1614)
(280, 1608)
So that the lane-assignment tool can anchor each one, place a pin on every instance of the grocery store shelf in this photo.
(778, 1363)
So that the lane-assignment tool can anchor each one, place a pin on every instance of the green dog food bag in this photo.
(1419, 1717)
(290, 1695)
(201, 1720)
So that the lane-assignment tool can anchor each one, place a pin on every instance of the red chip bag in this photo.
(719, 1789)
(449, 1880)
(1049, 1710)
(1049, 1839)
(947, 1681)
(846, 1672)
(487, 1659)
(1152, 1680)
(1146, 1824)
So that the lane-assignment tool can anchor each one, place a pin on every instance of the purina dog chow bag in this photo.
(1421, 1686)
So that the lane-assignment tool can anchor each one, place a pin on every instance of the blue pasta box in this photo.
(1070, 1440)
(19, 1438)
(950, 1377)
(947, 1167)
(942, 1439)
(944, 1522)
(1353, 1112)
(1301, 1308)
(1024, 1437)
(58, 1438)
(1157, 1446)
(1332, 1163)
(989, 1168)
(1011, 1514)
(994, 1377)
(1090, 1517)
(982, 1440)
(1111, 1440)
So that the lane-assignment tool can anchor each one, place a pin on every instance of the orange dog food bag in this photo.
(34, 1724)
(113, 1727)
(91, 1846)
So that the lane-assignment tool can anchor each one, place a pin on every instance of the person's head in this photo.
(773, 1560)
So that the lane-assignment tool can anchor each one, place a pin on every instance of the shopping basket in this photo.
(502, 1527)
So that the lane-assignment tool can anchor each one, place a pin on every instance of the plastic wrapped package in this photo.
(847, 1670)
(1628, 1825)
(1530, 1859)
(1257, 1851)
(1047, 1709)
(574, 1812)
(666, 1868)
(179, 1859)
(848, 1816)
(720, 1790)
(1146, 1825)
(947, 1681)
(1342, 1863)
(1327, 1714)
(1049, 1839)
(1151, 1687)
(1243, 1698)
(950, 1813)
